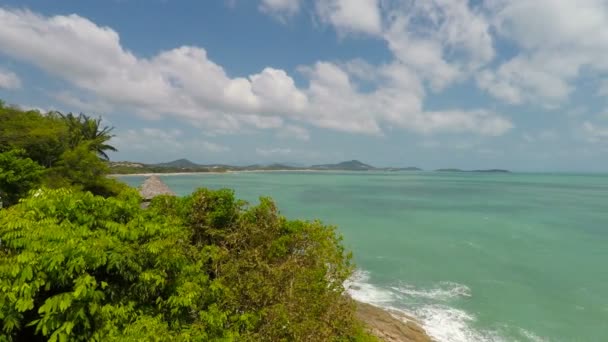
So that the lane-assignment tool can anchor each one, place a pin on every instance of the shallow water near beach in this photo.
(475, 257)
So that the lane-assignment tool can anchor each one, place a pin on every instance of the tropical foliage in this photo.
(75, 266)
(80, 260)
(53, 149)
(84, 129)
(18, 175)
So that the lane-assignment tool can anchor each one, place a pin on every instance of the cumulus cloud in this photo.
(281, 9)
(9, 80)
(351, 16)
(186, 84)
(441, 40)
(444, 40)
(573, 36)
(447, 41)
(396, 102)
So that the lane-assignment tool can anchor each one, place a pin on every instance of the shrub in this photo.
(75, 266)
(18, 175)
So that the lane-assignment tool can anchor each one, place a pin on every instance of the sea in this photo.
(473, 256)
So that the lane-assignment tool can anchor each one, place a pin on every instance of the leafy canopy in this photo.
(74, 266)
(71, 149)
(18, 175)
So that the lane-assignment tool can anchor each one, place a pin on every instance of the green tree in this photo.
(43, 137)
(81, 168)
(74, 266)
(18, 175)
(83, 128)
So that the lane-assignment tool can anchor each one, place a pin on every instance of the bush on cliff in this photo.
(74, 266)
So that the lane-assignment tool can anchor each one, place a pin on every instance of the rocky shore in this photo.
(391, 327)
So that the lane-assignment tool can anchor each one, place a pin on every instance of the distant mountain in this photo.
(352, 165)
(275, 166)
(179, 163)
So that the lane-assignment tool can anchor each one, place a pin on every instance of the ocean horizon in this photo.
(473, 256)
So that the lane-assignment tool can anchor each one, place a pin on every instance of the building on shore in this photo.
(153, 186)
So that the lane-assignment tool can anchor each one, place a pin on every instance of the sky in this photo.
(515, 84)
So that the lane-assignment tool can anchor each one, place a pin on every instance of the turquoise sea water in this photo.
(476, 257)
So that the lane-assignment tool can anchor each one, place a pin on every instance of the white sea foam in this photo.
(443, 291)
(447, 324)
(360, 289)
(442, 322)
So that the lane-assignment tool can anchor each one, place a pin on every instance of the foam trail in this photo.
(445, 290)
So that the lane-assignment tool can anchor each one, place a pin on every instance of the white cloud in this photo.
(76, 103)
(9, 80)
(171, 141)
(397, 101)
(184, 83)
(351, 16)
(269, 152)
(573, 36)
(443, 40)
(36, 108)
(526, 79)
(593, 133)
(281, 9)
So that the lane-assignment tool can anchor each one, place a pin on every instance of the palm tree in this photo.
(83, 128)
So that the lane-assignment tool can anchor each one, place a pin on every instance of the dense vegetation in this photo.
(81, 260)
(54, 150)
(126, 168)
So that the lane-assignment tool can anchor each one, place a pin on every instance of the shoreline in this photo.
(390, 326)
(148, 174)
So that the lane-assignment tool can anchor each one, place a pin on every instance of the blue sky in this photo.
(519, 84)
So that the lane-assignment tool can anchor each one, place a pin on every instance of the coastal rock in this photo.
(389, 328)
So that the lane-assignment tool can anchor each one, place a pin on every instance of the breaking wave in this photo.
(430, 306)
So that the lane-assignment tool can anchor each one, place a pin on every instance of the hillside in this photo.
(179, 163)
(352, 165)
